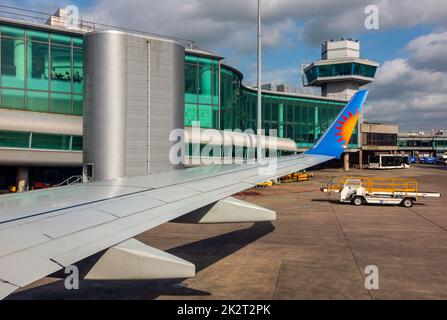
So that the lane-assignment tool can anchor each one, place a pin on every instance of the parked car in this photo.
(427, 160)
(413, 159)
(442, 158)
(40, 185)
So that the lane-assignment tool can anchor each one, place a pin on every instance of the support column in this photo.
(22, 179)
(346, 161)
(361, 159)
(316, 124)
(205, 82)
(281, 124)
(19, 59)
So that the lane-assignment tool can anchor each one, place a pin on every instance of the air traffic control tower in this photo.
(340, 72)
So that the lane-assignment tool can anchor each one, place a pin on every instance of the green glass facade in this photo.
(302, 119)
(340, 69)
(201, 91)
(34, 140)
(40, 71)
(43, 72)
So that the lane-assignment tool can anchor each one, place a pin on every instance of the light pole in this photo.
(259, 124)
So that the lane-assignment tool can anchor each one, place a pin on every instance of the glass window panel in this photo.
(10, 139)
(76, 143)
(77, 104)
(14, 32)
(60, 103)
(13, 63)
(266, 104)
(289, 131)
(78, 72)
(304, 124)
(268, 109)
(191, 86)
(50, 141)
(37, 101)
(297, 112)
(60, 39)
(60, 68)
(312, 74)
(273, 130)
(37, 35)
(237, 118)
(289, 108)
(38, 65)
(253, 109)
(215, 117)
(13, 99)
(190, 114)
(275, 109)
(78, 42)
(205, 116)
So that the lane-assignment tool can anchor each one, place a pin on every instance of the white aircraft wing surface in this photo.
(44, 231)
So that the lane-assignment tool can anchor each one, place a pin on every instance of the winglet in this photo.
(336, 138)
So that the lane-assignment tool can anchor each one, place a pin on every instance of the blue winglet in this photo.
(336, 138)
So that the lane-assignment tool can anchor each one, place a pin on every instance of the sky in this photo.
(410, 44)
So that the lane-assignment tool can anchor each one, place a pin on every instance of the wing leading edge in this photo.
(46, 230)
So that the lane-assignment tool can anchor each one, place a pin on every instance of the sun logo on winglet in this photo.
(345, 127)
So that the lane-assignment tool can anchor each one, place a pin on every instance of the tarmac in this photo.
(317, 248)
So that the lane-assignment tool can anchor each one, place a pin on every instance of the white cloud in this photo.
(276, 76)
(215, 23)
(399, 77)
(349, 21)
(430, 50)
(411, 113)
(411, 95)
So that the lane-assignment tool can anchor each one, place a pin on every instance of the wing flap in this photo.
(126, 206)
(24, 267)
(18, 238)
(72, 221)
(6, 289)
(172, 194)
(20, 205)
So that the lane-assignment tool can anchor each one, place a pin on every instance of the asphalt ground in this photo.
(317, 248)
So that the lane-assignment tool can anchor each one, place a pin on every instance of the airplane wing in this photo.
(44, 231)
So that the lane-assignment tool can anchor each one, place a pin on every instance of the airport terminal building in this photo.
(134, 89)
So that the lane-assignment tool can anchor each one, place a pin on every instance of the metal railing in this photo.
(70, 181)
(374, 184)
(309, 91)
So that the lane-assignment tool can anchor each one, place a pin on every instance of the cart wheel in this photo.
(357, 201)
(407, 202)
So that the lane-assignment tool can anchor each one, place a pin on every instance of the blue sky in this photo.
(411, 84)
